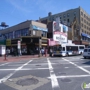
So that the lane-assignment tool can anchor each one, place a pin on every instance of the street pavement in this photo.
(46, 73)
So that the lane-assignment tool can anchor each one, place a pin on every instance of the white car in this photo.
(86, 53)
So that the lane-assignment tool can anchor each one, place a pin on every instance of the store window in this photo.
(10, 35)
(44, 34)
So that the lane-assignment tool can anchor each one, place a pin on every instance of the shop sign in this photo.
(39, 28)
(19, 44)
(8, 42)
(60, 32)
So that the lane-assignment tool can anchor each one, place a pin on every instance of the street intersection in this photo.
(51, 73)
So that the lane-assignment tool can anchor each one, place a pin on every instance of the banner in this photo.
(60, 32)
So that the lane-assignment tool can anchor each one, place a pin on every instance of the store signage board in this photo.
(59, 32)
(19, 45)
(39, 28)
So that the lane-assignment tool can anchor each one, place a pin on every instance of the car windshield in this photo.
(85, 50)
(57, 48)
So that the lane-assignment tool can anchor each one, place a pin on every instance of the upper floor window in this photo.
(82, 30)
(75, 13)
(64, 16)
(82, 24)
(68, 15)
(68, 20)
(82, 19)
(82, 13)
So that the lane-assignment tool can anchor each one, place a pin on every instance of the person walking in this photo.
(51, 52)
(42, 51)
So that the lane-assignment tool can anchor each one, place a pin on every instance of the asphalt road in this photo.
(56, 73)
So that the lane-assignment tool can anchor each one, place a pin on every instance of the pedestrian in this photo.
(51, 52)
(42, 51)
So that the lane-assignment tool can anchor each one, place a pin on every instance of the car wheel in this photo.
(84, 57)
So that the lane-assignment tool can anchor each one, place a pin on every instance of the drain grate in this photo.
(27, 81)
(65, 80)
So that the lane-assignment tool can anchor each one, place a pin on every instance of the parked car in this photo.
(86, 53)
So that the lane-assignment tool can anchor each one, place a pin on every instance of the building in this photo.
(81, 28)
(29, 36)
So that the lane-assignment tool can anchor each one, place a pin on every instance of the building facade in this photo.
(31, 34)
(81, 28)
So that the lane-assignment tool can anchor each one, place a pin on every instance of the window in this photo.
(60, 17)
(68, 20)
(81, 47)
(10, 35)
(68, 15)
(82, 24)
(44, 34)
(85, 50)
(63, 48)
(64, 16)
(82, 19)
(89, 50)
(75, 13)
(82, 13)
(82, 30)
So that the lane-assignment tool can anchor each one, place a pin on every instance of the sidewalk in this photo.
(18, 58)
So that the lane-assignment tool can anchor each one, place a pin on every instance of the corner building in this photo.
(67, 17)
(31, 34)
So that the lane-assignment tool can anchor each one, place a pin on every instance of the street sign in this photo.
(8, 42)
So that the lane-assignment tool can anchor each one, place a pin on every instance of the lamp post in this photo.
(40, 42)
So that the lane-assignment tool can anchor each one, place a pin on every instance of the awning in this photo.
(85, 35)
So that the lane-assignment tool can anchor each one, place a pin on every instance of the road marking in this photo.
(66, 67)
(86, 66)
(11, 74)
(72, 76)
(23, 69)
(54, 80)
(33, 64)
(4, 64)
(83, 69)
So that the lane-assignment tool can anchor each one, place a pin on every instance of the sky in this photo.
(13, 12)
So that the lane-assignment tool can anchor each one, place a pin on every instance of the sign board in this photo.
(59, 32)
(39, 28)
(2, 49)
(8, 42)
(19, 45)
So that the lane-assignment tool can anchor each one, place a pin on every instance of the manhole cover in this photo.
(65, 80)
(38, 65)
(61, 73)
(27, 81)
